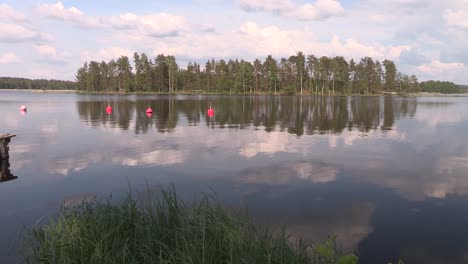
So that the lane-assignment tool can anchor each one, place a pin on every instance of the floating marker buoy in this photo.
(210, 112)
(23, 108)
(149, 110)
(109, 109)
(149, 114)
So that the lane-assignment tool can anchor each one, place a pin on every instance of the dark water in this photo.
(388, 176)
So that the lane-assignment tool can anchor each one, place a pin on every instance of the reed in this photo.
(162, 229)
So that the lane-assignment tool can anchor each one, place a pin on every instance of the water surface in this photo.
(387, 175)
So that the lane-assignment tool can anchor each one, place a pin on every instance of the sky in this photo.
(50, 39)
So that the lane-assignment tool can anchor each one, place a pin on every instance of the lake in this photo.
(387, 175)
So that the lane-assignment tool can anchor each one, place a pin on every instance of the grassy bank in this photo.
(162, 229)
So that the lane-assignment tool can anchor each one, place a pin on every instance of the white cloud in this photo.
(321, 9)
(276, 6)
(46, 50)
(18, 33)
(379, 18)
(43, 73)
(355, 49)
(406, 4)
(72, 14)
(447, 71)
(413, 57)
(273, 40)
(457, 18)
(50, 54)
(9, 57)
(9, 14)
(106, 54)
(252, 41)
(435, 29)
(16, 27)
(439, 67)
(154, 25)
(318, 10)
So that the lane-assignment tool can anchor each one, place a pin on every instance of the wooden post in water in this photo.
(4, 140)
(5, 174)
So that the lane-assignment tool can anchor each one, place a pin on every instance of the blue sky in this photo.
(50, 39)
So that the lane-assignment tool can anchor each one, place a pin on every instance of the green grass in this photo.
(162, 229)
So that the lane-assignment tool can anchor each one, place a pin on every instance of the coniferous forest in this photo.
(23, 83)
(441, 87)
(298, 74)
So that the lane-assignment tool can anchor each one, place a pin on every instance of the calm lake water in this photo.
(387, 175)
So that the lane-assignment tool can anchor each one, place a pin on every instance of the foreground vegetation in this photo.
(163, 230)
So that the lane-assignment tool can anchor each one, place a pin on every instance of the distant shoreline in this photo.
(38, 90)
(225, 93)
(63, 91)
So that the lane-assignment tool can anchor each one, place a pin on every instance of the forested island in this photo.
(23, 83)
(442, 87)
(298, 74)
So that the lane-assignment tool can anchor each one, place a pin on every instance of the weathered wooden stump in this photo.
(5, 173)
(4, 149)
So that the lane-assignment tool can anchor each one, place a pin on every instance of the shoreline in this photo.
(421, 94)
(39, 91)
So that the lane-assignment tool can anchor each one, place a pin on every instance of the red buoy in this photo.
(109, 109)
(149, 110)
(210, 112)
(23, 108)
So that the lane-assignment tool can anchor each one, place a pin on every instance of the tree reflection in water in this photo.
(293, 114)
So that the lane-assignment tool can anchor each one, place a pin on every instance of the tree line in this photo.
(442, 87)
(300, 73)
(23, 83)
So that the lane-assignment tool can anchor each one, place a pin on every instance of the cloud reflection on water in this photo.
(322, 165)
(363, 138)
(287, 172)
(351, 225)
